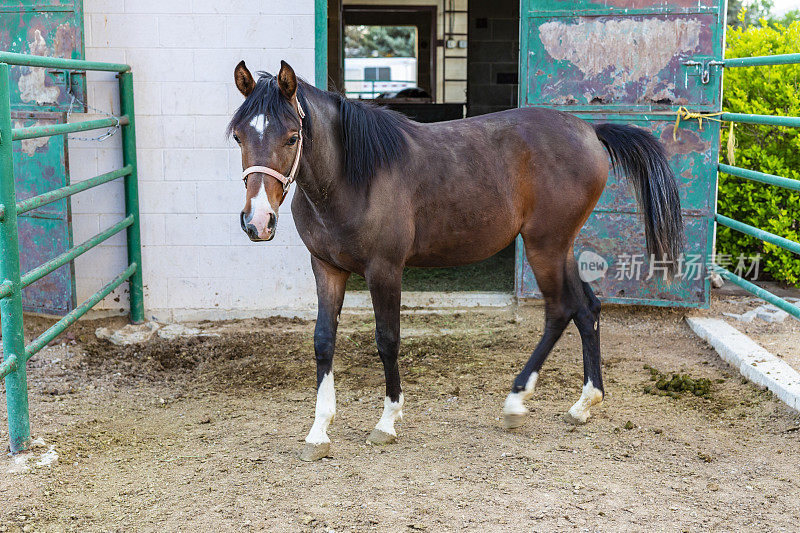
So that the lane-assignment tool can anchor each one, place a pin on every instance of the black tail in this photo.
(642, 157)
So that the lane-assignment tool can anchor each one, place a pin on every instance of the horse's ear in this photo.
(287, 81)
(244, 80)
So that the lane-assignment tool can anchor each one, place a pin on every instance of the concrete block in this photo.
(220, 196)
(210, 131)
(166, 197)
(153, 229)
(158, 6)
(260, 31)
(160, 64)
(753, 362)
(184, 229)
(146, 96)
(84, 226)
(190, 31)
(194, 98)
(193, 165)
(199, 293)
(173, 261)
(123, 30)
(150, 163)
(149, 132)
(179, 131)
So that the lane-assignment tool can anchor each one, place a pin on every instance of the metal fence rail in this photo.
(769, 179)
(15, 352)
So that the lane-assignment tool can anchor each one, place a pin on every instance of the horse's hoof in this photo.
(513, 420)
(315, 452)
(381, 437)
(569, 418)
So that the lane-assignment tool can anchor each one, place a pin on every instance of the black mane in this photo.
(373, 137)
(266, 99)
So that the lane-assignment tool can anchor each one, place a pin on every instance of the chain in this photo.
(110, 132)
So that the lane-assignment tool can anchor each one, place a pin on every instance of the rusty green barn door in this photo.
(40, 97)
(635, 62)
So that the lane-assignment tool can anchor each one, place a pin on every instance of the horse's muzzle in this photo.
(245, 220)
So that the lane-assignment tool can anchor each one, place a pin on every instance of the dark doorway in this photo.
(492, 56)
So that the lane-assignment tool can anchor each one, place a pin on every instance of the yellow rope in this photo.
(685, 114)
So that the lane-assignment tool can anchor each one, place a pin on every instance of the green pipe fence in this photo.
(60, 129)
(753, 175)
(769, 179)
(759, 61)
(15, 353)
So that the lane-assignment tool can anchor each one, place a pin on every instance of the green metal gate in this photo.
(636, 62)
(40, 96)
(12, 281)
(768, 179)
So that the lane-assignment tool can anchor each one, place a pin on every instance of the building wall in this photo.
(492, 62)
(197, 261)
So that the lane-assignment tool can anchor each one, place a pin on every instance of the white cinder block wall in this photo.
(197, 261)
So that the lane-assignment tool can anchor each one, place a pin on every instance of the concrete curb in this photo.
(754, 362)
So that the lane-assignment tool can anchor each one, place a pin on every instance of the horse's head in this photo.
(268, 128)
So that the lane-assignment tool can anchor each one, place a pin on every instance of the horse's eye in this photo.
(292, 140)
(235, 138)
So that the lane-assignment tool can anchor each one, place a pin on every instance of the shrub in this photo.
(773, 90)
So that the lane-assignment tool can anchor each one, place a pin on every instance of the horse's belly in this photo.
(454, 244)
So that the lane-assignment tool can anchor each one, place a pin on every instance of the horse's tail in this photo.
(643, 159)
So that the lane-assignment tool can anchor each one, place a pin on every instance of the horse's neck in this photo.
(320, 176)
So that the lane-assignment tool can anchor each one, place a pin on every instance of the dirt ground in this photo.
(203, 434)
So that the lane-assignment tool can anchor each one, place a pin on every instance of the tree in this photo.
(775, 150)
(380, 41)
(754, 10)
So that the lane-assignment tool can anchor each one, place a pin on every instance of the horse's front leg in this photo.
(330, 294)
(384, 281)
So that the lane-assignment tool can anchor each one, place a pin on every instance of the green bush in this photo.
(773, 90)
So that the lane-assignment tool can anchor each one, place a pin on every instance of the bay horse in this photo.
(377, 191)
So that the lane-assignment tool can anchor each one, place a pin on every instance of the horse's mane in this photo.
(266, 99)
(373, 137)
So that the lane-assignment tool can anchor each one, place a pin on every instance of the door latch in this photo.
(702, 68)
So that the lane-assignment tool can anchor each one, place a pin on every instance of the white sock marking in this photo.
(324, 412)
(392, 411)
(515, 401)
(589, 397)
(260, 123)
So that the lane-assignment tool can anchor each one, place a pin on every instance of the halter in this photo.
(285, 180)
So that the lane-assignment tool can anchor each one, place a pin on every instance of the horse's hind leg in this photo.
(548, 267)
(587, 319)
(566, 298)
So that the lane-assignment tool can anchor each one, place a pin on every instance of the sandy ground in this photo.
(203, 435)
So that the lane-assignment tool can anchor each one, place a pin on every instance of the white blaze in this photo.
(324, 412)
(261, 210)
(589, 397)
(515, 401)
(260, 123)
(392, 411)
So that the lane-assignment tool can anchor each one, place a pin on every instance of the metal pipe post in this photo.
(19, 428)
(132, 197)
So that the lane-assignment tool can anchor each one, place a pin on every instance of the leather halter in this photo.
(285, 180)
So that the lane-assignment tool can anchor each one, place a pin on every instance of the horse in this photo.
(377, 192)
